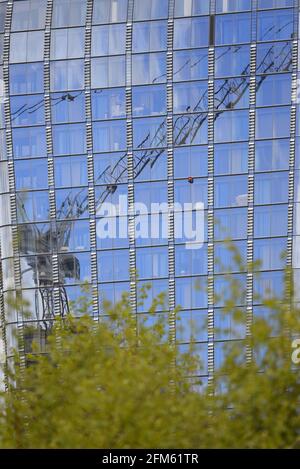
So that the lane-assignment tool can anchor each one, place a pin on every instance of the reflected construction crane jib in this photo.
(227, 95)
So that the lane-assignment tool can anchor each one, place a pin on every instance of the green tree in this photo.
(119, 383)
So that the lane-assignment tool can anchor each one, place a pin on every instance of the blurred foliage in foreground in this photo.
(113, 384)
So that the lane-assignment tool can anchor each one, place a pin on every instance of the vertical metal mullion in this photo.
(90, 159)
(170, 169)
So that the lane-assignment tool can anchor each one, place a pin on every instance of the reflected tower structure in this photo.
(102, 98)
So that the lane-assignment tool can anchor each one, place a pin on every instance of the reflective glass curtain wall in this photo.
(102, 98)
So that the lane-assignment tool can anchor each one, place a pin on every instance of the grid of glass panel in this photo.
(211, 42)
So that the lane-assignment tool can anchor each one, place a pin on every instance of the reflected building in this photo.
(102, 98)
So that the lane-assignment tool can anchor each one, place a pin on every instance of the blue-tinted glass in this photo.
(231, 191)
(28, 15)
(149, 100)
(272, 90)
(75, 238)
(67, 75)
(191, 7)
(151, 193)
(232, 60)
(226, 6)
(190, 161)
(190, 262)
(32, 206)
(152, 262)
(150, 36)
(272, 155)
(273, 122)
(113, 265)
(156, 287)
(191, 293)
(231, 126)
(192, 98)
(191, 32)
(69, 139)
(149, 132)
(109, 136)
(232, 93)
(29, 142)
(27, 110)
(31, 174)
(148, 68)
(268, 285)
(68, 13)
(274, 57)
(231, 158)
(231, 223)
(2, 16)
(108, 71)
(274, 3)
(75, 268)
(150, 165)
(26, 78)
(232, 29)
(110, 167)
(68, 107)
(106, 11)
(270, 253)
(71, 203)
(225, 258)
(70, 171)
(108, 40)
(191, 193)
(26, 47)
(67, 43)
(108, 104)
(191, 326)
(190, 129)
(112, 292)
(150, 10)
(270, 221)
(271, 188)
(274, 25)
(190, 65)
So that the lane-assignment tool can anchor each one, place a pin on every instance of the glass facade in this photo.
(102, 98)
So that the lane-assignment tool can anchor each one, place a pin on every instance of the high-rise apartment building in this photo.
(161, 101)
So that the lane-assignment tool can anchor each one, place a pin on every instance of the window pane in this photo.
(109, 136)
(270, 221)
(68, 13)
(67, 43)
(190, 32)
(31, 174)
(150, 10)
(191, 7)
(271, 188)
(68, 139)
(192, 98)
(190, 161)
(108, 71)
(225, 6)
(67, 75)
(272, 155)
(28, 14)
(270, 253)
(29, 142)
(26, 78)
(272, 90)
(149, 100)
(152, 262)
(68, 107)
(108, 104)
(150, 36)
(109, 11)
(273, 122)
(274, 3)
(232, 93)
(70, 171)
(108, 40)
(190, 65)
(231, 126)
(274, 57)
(231, 223)
(148, 68)
(231, 158)
(232, 61)
(231, 29)
(190, 262)
(27, 47)
(27, 110)
(149, 132)
(274, 25)
(190, 129)
(231, 191)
